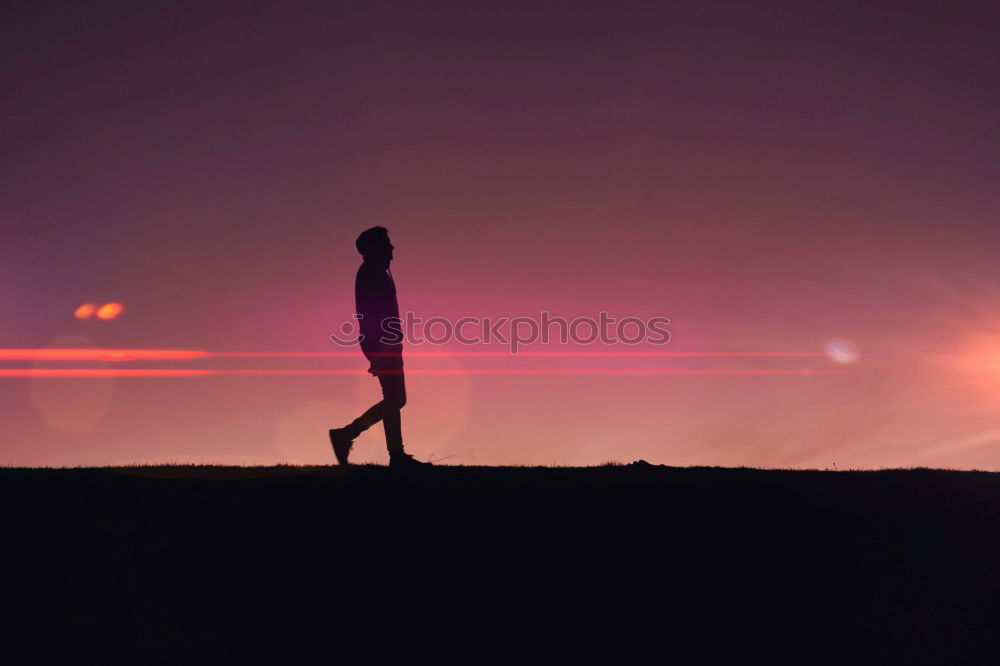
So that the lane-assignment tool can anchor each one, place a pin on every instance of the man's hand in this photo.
(386, 363)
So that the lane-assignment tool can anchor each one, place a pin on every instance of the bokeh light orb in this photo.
(71, 404)
(85, 311)
(110, 310)
(842, 351)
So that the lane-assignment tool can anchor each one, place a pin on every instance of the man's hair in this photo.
(371, 239)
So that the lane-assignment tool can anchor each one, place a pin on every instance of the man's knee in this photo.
(394, 395)
(393, 391)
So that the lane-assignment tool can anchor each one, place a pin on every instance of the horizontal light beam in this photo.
(570, 354)
(166, 372)
(114, 355)
(117, 355)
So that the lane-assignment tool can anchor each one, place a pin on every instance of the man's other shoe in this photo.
(341, 442)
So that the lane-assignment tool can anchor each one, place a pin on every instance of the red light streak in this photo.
(113, 355)
(165, 372)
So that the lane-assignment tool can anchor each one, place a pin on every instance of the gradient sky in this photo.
(770, 176)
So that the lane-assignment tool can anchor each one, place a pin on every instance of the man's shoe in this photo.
(405, 460)
(341, 442)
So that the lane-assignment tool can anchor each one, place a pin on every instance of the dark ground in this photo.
(626, 562)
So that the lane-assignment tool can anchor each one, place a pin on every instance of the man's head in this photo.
(374, 245)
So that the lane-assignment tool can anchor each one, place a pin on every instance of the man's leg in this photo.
(393, 400)
(387, 411)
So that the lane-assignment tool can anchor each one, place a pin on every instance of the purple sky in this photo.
(770, 176)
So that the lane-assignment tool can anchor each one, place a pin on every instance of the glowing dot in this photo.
(842, 351)
(85, 310)
(110, 310)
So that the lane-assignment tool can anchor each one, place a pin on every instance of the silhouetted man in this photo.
(382, 344)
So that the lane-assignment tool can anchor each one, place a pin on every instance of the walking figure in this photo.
(382, 344)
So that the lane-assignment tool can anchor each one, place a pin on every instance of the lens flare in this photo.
(110, 310)
(842, 351)
(85, 311)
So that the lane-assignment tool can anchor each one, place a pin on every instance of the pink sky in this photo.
(768, 178)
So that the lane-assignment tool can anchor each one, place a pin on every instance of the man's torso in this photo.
(375, 301)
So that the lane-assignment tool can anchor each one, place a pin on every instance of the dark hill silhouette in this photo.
(896, 566)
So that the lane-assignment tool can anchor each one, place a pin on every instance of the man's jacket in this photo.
(375, 300)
